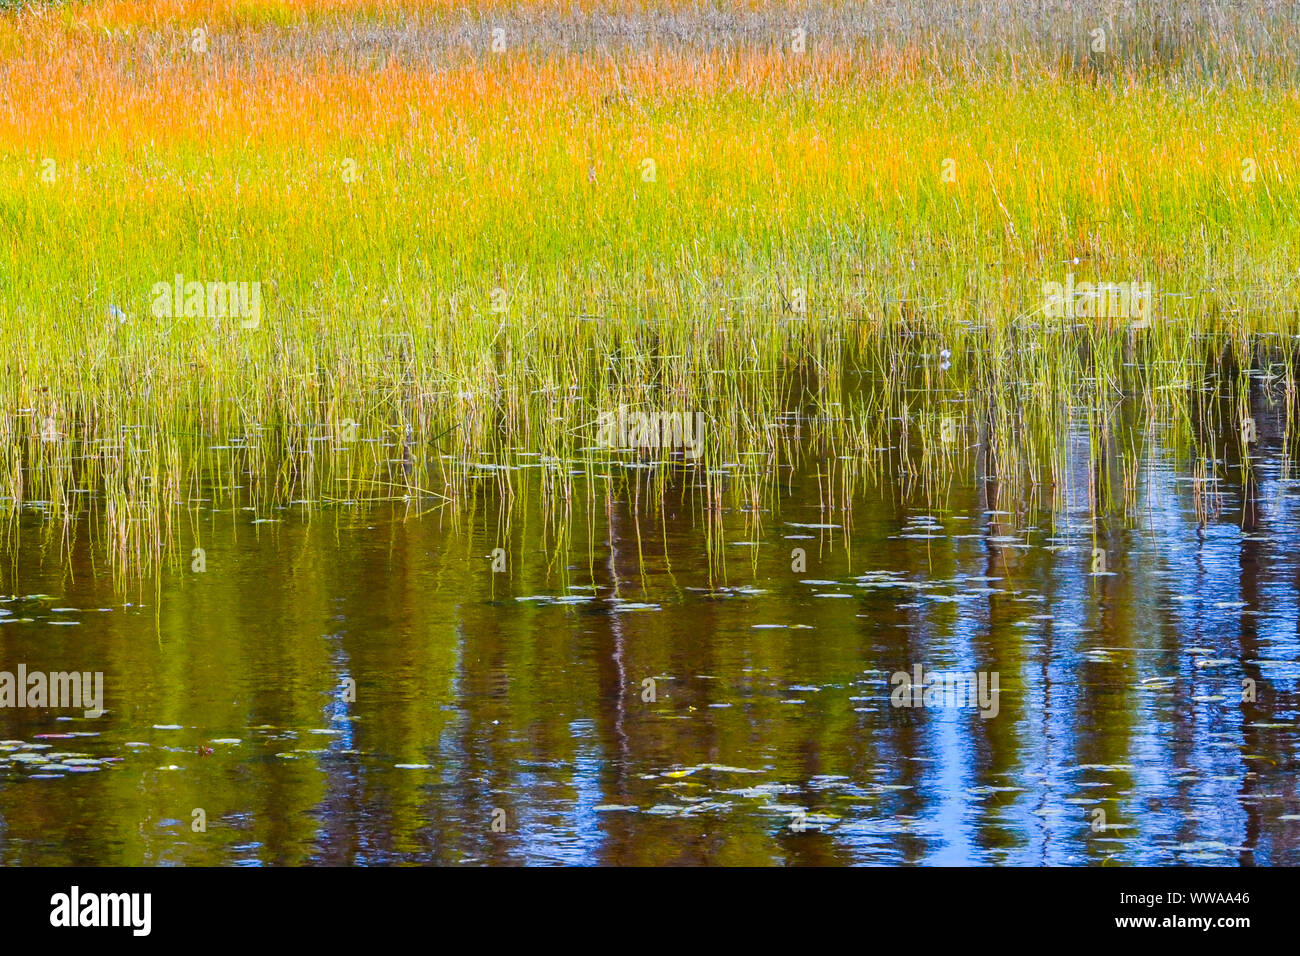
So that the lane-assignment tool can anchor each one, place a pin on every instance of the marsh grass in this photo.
(464, 264)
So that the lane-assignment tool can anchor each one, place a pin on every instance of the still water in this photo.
(356, 685)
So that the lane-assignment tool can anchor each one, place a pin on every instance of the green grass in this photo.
(517, 181)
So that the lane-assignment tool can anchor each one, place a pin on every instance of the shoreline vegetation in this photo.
(837, 232)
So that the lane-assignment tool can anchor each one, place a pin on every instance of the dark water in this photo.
(519, 698)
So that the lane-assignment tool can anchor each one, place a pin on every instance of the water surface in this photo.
(355, 684)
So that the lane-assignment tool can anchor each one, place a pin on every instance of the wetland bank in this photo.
(564, 507)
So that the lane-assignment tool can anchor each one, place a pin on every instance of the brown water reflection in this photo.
(770, 738)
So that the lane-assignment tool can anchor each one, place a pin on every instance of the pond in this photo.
(376, 683)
